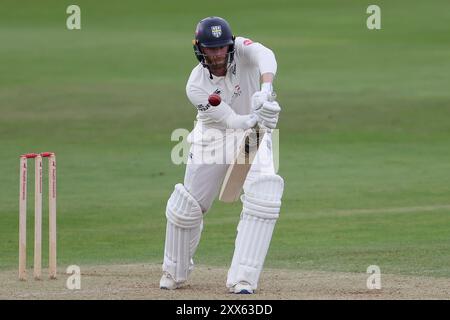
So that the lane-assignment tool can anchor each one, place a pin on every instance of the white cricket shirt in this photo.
(251, 60)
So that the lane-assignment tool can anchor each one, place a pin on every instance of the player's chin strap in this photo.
(184, 226)
(261, 208)
(210, 74)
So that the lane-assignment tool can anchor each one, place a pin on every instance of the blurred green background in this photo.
(364, 130)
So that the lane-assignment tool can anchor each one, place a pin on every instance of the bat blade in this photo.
(238, 170)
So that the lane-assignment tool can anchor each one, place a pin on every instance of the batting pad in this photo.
(261, 207)
(184, 226)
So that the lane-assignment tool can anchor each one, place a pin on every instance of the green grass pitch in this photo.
(364, 129)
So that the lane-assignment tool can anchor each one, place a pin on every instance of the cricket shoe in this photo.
(168, 283)
(241, 288)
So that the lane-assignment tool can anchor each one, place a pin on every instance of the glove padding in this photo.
(258, 98)
(267, 114)
(251, 121)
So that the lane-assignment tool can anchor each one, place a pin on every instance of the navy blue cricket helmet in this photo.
(213, 32)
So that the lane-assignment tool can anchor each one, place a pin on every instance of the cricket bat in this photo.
(238, 170)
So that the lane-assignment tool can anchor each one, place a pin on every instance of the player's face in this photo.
(216, 57)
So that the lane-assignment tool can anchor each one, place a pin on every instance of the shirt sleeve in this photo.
(255, 53)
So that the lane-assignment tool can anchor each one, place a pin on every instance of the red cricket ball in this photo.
(214, 99)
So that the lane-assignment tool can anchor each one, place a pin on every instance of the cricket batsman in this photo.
(241, 72)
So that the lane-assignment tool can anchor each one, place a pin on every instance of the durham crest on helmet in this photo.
(216, 31)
